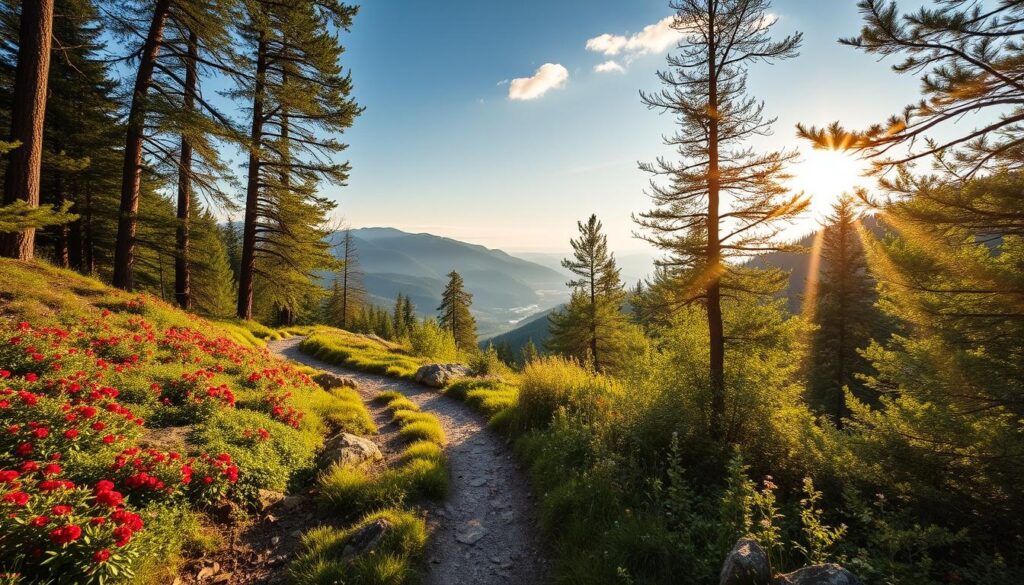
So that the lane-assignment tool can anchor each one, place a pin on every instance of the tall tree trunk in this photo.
(248, 267)
(716, 332)
(28, 113)
(131, 175)
(182, 271)
(593, 313)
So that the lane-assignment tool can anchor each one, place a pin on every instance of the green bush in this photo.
(428, 340)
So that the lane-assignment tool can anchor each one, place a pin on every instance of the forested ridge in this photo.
(164, 215)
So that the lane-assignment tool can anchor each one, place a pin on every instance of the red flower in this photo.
(16, 498)
(101, 556)
(123, 534)
(40, 521)
(109, 498)
(4, 374)
(66, 534)
(104, 485)
(31, 377)
(51, 469)
(23, 449)
(108, 439)
(62, 510)
(41, 432)
(8, 475)
(71, 433)
(99, 425)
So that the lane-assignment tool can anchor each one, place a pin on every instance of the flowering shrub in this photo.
(53, 528)
(74, 404)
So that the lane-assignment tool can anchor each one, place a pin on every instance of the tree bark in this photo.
(716, 333)
(28, 112)
(182, 268)
(131, 175)
(248, 265)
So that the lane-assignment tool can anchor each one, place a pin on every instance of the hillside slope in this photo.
(128, 419)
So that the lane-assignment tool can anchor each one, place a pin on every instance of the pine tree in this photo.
(844, 313)
(300, 104)
(530, 353)
(172, 128)
(350, 281)
(968, 55)
(944, 435)
(455, 314)
(590, 328)
(81, 136)
(28, 112)
(705, 88)
(212, 282)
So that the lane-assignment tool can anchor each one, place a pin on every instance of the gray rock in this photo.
(470, 532)
(827, 574)
(439, 375)
(366, 539)
(269, 498)
(327, 380)
(350, 450)
(746, 564)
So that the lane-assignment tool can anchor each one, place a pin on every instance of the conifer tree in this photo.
(350, 294)
(81, 135)
(968, 56)
(530, 353)
(720, 200)
(844, 313)
(590, 328)
(171, 126)
(28, 112)
(950, 387)
(300, 104)
(455, 315)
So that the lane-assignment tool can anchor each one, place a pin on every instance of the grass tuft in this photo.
(393, 562)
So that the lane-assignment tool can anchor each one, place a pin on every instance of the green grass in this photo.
(426, 430)
(422, 469)
(404, 416)
(490, 396)
(426, 450)
(401, 403)
(362, 353)
(393, 562)
(388, 396)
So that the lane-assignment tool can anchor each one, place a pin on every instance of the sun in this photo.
(824, 175)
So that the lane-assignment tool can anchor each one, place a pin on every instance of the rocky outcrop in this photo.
(327, 381)
(746, 564)
(350, 450)
(439, 375)
(828, 574)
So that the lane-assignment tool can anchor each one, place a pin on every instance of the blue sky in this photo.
(441, 148)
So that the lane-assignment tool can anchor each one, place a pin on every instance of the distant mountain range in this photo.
(796, 263)
(506, 289)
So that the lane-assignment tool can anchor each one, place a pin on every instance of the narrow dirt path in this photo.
(485, 532)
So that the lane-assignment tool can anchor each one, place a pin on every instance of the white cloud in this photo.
(548, 76)
(610, 66)
(607, 44)
(654, 38)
